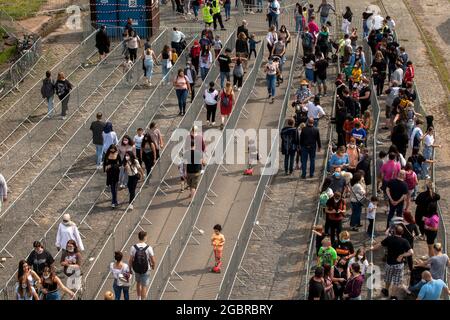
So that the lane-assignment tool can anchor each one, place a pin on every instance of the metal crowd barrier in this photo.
(181, 237)
(131, 219)
(244, 235)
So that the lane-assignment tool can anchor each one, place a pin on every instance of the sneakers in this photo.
(99, 167)
(131, 207)
(213, 124)
(63, 117)
(385, 292)
(221, 126)
(239, 89)
(122, 186)
(207, 122)
(273, 100)
(113, 205)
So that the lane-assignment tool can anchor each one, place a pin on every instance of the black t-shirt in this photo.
(316, 290)
(193, 160)
(321, 69)
(224, 63)
(397, 188)
(364, 102)
(97, 130)
(38, 261)
(344, 248)
(395, 247)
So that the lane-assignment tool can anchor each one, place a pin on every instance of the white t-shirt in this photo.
(362, 264)
(314, 111)
(117, 272)
(138, 141)
(275, 7)
(211, 97)
(310, 64)
(413, 134)
(149, 251)
(428, 140)
(371, 211)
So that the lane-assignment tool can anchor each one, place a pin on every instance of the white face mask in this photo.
(46, 276)
(24, 286)
(127, 158)
(360, 257)
(70, 249)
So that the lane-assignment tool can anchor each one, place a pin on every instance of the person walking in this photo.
(217, 17)
(225, 61)
(134, 172)
(39, 258)
(111, 165)
(206, 60)
(324, 9)
(242, 47)
(102, 42)
(191, 75)
(177, 40)
(133, 44)
(149, 59)
(63, 88)
(207, 14)
(226, 101)
(182, 89)
(126, 144)
(109, 137)
(195, 52)
(211, 96)
(142, 259)
(51, 284)
(193, 165)
(271, 69)
(289, 145)
(433, 288)
(122, 278)
(217, 242)
(97, 128)
(3, 191)
(71, 261)
(68, 230)
(309, 138)
(227, 7)
(149, 152)
(48, 92)
(274, 12)
(166, 63)
(156, 136)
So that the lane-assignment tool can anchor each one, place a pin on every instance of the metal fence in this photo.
(16, 73)
(18, 114)
(181, 237)
(96, 276)
(244, 235)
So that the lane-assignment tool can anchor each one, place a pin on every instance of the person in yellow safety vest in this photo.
(207, 14)
(216, 14)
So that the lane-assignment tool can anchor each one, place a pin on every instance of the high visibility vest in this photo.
(216, 7)
(207, 17)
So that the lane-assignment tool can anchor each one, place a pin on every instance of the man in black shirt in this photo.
(364, 95)
(321, 72)
(289, 145)
(309, 138)
(316, 285)
(349, 103)
(224, 67)
(396, 190)
(97, 138)
(193, 165)
(398, 248)
(39, 258)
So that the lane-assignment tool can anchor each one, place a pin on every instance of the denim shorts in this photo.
(142, 278)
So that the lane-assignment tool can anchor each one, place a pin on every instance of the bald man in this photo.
(432, 289)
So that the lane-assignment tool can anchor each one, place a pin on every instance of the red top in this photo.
(225, 108)
(409, 74)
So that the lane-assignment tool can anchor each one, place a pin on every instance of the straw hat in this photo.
(304, 82)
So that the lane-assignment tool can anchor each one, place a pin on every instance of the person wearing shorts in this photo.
(193, 161)
(398, 249)
(142, 279)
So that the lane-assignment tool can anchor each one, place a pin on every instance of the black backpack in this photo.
(140, 261)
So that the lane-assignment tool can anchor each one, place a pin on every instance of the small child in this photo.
(138, 143)
(371, 213)
(217, 44)
(217, 241)
(182, 175)
(379, 163)
(238, 74)
(356, 74)
(252, 45)
(320, 235)
(127, 64)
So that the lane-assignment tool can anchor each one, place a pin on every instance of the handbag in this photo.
(124, 280)
(364, 201)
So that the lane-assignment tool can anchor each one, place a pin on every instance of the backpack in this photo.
(323, 199)
(224, 99)
(140, 261)
(307, 40)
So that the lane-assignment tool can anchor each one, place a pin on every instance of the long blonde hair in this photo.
(228, 88)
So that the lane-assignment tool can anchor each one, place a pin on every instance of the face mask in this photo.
(127, 158)
(24, 285)
(351, 145)
(344, 240)
(70, 249)
(360, 257)
(337, 174)
(46, 276)
(337, 200)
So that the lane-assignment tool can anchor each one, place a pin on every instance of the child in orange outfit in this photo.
(217, 241)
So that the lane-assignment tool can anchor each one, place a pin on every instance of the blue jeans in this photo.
(316, 122)
(50, 105)
(298, 24)
(289, 162)
(428, 155)
(323, 20)
(271, 80)
(98, 154)
(118, 291)
(195, 8)
(274, 21)
(182, 95)
(227, 7)
(365, 29)
(311, 152)
(165, 70)
(355, 218)
(259, 5)
(53, 295)
(204, 72)
(398, 209)
(148, 64)
(224, 75)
